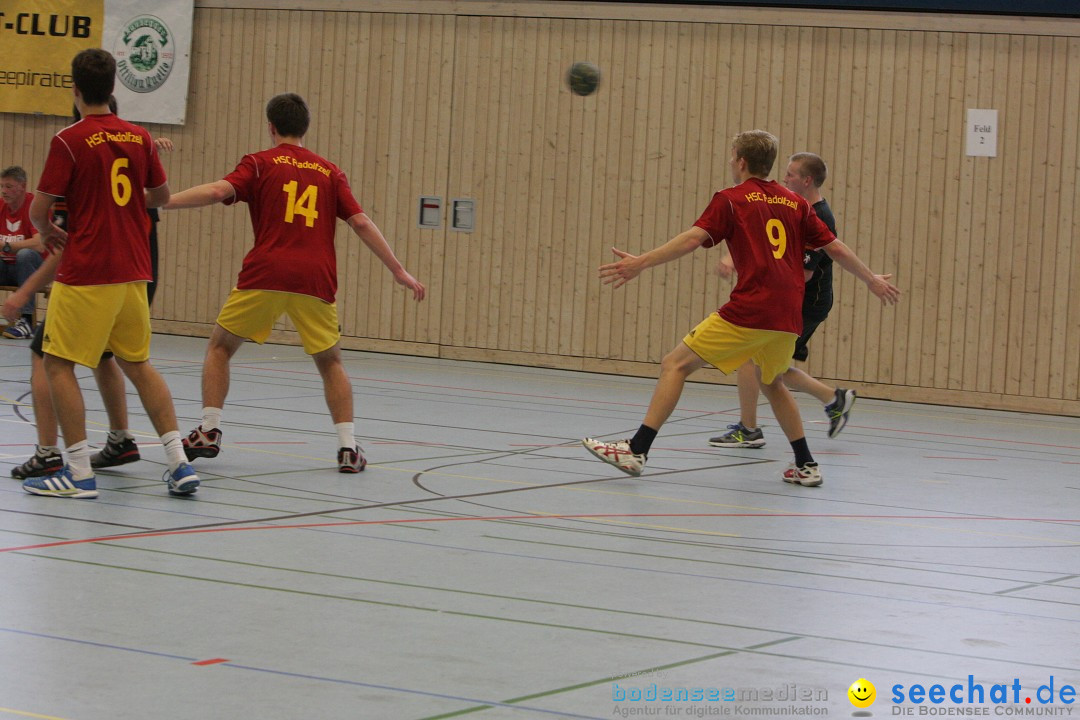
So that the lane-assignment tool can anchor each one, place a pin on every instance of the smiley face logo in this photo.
(862, 693)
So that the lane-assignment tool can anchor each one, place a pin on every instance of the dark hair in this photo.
(77, 116)
(94, 72)
(14, 172)
(289, 114)
(758, 148)
(812, 166)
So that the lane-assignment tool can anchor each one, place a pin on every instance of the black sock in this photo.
(802, 452)
(642, 441)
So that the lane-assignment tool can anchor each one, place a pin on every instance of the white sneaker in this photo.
(809, 475)
(617, 454)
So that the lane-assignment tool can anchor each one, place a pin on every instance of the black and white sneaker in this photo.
(839, 409)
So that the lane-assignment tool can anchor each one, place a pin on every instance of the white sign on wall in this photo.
(982, 132)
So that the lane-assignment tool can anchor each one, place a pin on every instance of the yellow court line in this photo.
(29, 714)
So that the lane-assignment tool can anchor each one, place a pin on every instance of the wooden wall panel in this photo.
(377, 87)
(436, 98)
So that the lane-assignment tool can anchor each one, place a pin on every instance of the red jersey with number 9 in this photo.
(101, 165)
(295, 198)
(766, 227)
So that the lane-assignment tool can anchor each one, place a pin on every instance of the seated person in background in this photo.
(22, 251)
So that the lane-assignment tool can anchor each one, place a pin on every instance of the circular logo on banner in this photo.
(144, 53)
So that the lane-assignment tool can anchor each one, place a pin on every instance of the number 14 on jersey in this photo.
(303, 205)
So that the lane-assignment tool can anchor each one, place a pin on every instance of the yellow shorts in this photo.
(727, 347)
(86, 320)
(251, 314)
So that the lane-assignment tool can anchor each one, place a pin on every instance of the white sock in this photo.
(79, 460)
(47, 450)
(174, 449)
(345, 434)
(211, 418)
(119, 436)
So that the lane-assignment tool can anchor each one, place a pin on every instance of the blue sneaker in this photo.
(61, 484)
(182, 481)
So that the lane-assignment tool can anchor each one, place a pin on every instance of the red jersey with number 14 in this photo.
(101, 165)
(766, 227)
(295, 198)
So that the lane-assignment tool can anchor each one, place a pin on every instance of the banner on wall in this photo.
(151, 41)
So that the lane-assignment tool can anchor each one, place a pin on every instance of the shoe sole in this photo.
(601, 456)
(193, 453)
(84, 494)
(804, 483)
(185, 488)
(37, 473)
(350, 470)
(746, 444)
(119, 460)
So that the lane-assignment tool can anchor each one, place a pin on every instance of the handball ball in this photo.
(583, 78)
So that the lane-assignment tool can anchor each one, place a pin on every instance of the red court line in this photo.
(214, 661)
(946, 457)
(417, 521)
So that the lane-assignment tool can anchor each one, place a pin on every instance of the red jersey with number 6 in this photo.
(295, 198)
(101, 165)
(766, 227)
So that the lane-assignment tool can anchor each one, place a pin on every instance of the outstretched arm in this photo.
(630, 266)
(201, 195)
(879, 285)
(369, 232)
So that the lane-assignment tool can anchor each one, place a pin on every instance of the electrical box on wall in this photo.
(463, 215)
(429, 212)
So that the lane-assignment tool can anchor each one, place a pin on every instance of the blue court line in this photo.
(304, 676)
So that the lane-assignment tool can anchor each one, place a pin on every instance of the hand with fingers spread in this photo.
(622, 271)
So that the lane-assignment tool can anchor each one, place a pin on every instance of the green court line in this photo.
(601, 681)
(570, 688)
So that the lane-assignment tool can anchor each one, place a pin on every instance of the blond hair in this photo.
(758, 148)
